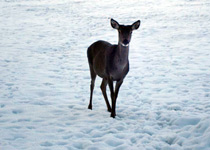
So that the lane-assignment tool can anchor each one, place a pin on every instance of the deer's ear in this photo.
(114, 24)
(136, 25)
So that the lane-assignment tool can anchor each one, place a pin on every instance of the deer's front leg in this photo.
(117, 87)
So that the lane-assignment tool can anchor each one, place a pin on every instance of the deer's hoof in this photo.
(90, 107)
(113, 115)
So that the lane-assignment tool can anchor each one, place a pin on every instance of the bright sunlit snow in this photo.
(163, 104)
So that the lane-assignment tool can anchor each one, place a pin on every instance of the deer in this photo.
(110, 62)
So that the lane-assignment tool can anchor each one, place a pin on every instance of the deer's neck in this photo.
(122, 53)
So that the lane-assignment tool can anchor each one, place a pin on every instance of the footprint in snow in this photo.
(2, 105)
(62, 143)
(17, 111)
(9, 84)
(46, 144)
(114, 143)
(174, 107)
(71, 106)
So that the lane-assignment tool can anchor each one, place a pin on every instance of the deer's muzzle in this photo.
(125, 43)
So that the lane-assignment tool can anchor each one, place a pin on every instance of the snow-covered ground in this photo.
(163, 104)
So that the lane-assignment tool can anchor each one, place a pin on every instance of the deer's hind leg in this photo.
(103, 89)
(93, 77)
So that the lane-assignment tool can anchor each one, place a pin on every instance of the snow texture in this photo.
(163, 104)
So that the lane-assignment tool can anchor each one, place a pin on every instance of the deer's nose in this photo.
(125, 42)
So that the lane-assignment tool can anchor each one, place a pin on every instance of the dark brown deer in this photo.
(111, 63)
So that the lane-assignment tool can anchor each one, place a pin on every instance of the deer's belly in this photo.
(101, 73)
(99, 69)
(99, 65)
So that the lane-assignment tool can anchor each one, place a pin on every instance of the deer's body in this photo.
(111, 63)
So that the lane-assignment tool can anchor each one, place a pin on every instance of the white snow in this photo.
(163, 104)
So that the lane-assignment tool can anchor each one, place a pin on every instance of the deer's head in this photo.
(125, 31)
